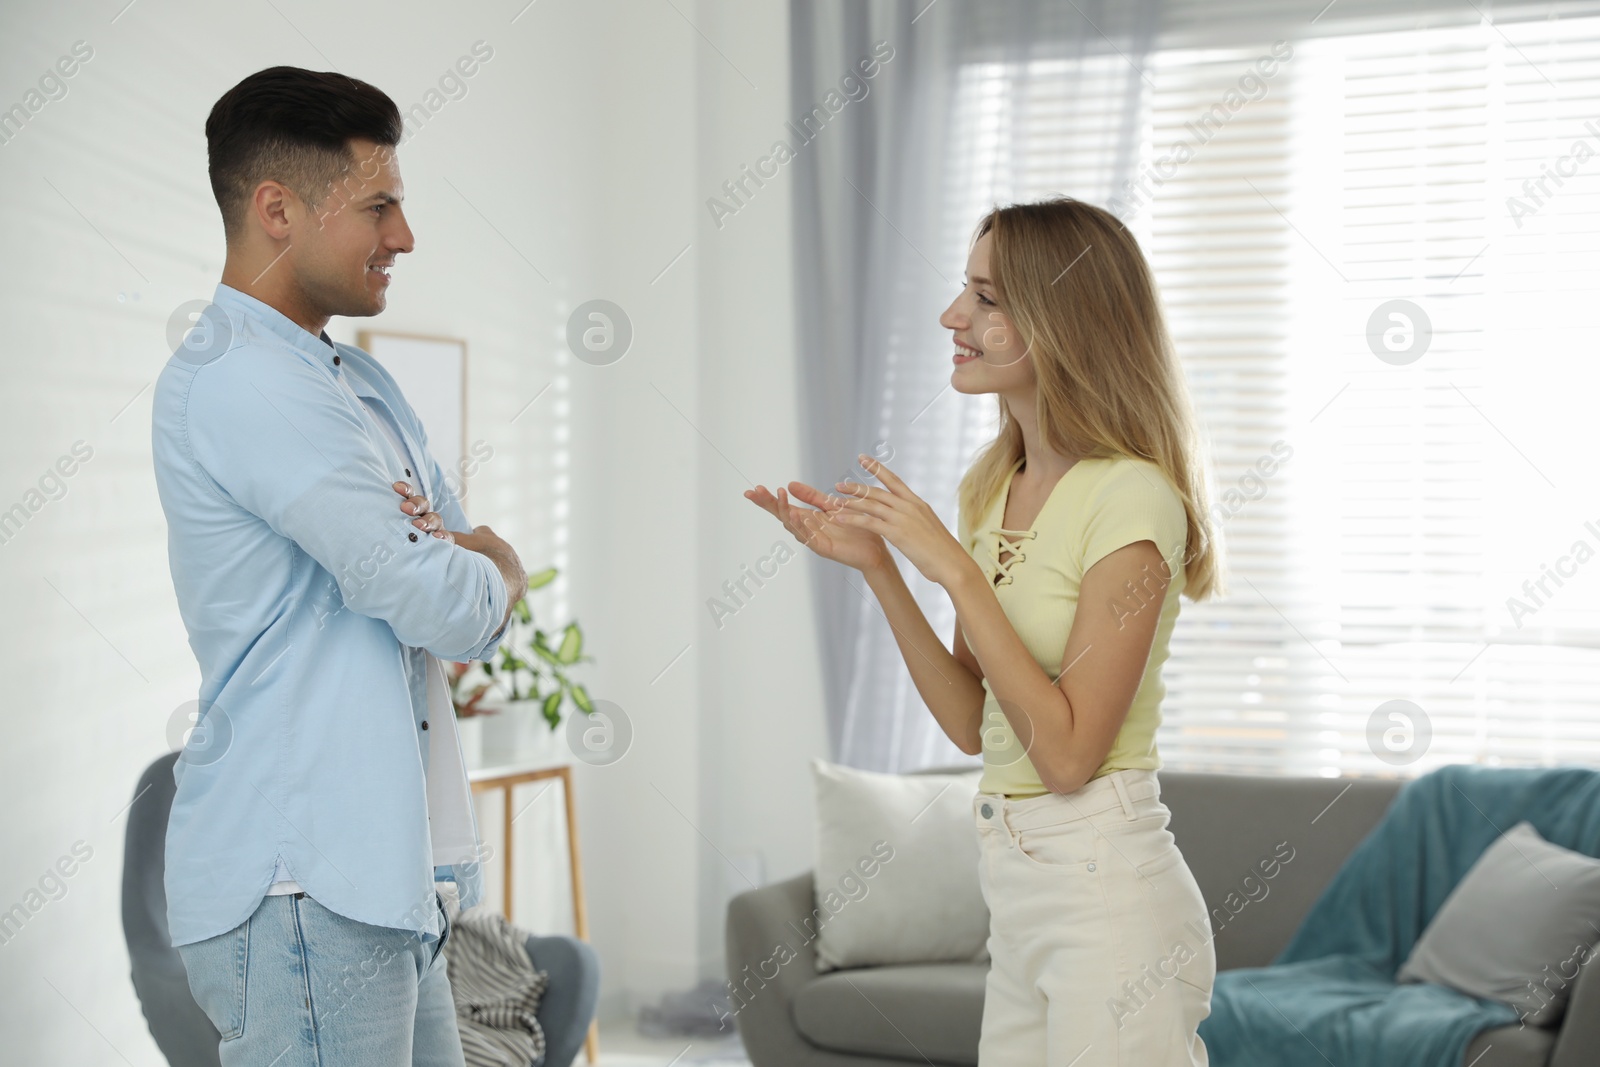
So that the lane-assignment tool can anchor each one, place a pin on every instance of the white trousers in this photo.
(1099, 940)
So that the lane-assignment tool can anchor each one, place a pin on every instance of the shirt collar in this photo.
(281, 325)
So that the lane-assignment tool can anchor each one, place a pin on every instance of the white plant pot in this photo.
(517, 733)
(470, 732)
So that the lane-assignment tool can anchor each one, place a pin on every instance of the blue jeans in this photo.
(297, 985)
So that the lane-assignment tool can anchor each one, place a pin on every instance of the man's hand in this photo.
(486, 542)
(427, 521)
(482, 540)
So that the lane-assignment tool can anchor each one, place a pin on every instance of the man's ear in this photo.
(271, 209)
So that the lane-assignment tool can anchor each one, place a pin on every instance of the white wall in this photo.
(762, 687)
(590, 141)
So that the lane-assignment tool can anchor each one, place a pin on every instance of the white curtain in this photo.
(888, 192)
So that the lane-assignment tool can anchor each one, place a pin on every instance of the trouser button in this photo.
(988, 812)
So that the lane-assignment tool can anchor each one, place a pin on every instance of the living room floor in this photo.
(623, 1047)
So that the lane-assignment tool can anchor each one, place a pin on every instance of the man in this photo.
(323, 571)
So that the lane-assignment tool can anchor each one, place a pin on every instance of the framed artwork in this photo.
(432, 372)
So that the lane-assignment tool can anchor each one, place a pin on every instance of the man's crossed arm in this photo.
(482, 540)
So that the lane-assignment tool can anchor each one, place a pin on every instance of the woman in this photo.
(1080, 524)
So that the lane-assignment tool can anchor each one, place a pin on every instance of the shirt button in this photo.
(425, 726)
(408, 472)
(1090, 868)
(412, 536)
(988, 812)
(335, 361)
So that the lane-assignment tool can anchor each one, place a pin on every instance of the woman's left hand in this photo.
(905, 520)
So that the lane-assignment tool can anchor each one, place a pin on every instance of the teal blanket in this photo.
(1330, 997)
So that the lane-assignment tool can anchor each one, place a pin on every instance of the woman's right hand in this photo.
(817, 527)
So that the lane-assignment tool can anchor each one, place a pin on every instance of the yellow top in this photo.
(1098, 506)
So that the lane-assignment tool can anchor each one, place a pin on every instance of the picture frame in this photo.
(432, 373)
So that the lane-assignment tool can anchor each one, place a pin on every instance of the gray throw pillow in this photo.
(1516, 929)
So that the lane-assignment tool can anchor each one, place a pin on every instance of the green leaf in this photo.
(543, 578)
(552, 709)
(580, 697)
(571, 644)
(522, 611)
(547, 655)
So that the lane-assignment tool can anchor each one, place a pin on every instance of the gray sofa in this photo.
(931, 1013)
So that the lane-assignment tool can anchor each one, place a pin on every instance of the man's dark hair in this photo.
(292, 126)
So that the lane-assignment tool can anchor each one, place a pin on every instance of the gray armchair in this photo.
(1225, 824)
(181, 1030)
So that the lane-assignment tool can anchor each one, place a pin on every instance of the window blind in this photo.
(1376, 262)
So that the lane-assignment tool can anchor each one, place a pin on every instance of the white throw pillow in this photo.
(897, 869)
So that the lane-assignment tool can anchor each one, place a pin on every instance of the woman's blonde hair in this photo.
(1079, 291)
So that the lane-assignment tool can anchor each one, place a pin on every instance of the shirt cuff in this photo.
(500, 632)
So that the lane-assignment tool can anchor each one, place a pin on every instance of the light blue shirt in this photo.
(309, 600)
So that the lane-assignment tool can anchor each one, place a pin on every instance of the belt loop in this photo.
(1122, 794)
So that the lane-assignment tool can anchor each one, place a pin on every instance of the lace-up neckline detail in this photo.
(1009, 544)
(1005, 546)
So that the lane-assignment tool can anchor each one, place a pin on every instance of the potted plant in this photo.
(498, 697)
